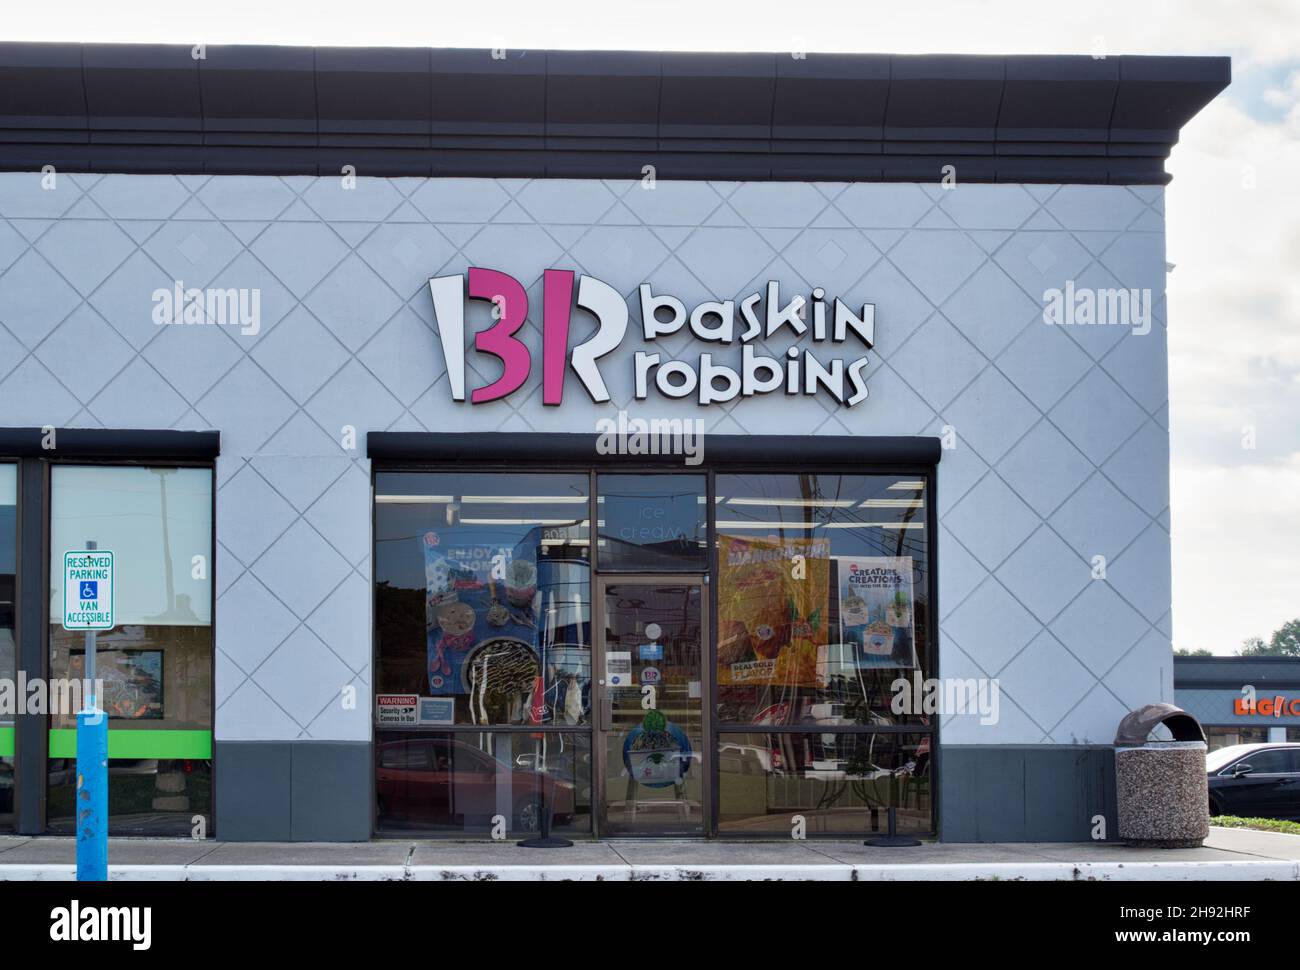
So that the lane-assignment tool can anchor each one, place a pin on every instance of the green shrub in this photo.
(1262, 824)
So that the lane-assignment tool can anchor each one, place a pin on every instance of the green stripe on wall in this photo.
(136, 744)
(6, 742)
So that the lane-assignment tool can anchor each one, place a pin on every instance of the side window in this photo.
(409, 755)
(155, 665)
(471, 761)
(1269, 762)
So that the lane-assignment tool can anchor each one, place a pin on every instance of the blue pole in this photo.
(92, 795)
(92, 776)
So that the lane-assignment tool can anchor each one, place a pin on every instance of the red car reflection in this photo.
(446, 782)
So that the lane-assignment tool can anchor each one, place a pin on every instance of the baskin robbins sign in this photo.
(720, 324)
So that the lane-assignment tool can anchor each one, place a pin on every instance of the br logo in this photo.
(510, 307)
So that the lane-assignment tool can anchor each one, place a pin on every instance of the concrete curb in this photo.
(1244, 871)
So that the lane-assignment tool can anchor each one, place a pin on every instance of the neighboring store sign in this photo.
(764, 315)
(88, 590)
(1277, 706)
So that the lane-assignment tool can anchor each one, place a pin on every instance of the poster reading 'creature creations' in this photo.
(772, 609)
(876, 613)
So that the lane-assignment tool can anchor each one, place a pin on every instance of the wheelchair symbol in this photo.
(90, 590)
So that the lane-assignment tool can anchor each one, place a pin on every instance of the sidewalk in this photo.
(1229, 854)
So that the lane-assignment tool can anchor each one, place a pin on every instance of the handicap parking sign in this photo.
(88, 590)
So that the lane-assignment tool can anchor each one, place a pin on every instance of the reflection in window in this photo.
(156, 664)
(8, 647)
(1270, 761)
(458, 781)
(841, 783)
(822, 597)
(1223, 737)
(483, 603)
(652, 522)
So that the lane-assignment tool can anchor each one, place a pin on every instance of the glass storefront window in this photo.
(156, 663)
(841, 783)
(482, 618)
(652, 523)
(459, 781)
(486, 585)
(483, 598)
(8, 646)
(823, 597)
(1225, 737)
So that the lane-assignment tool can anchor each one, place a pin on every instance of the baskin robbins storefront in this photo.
(684, 445)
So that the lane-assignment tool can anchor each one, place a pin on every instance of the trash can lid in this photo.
(1136, 726)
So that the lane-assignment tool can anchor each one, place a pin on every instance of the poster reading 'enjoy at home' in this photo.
(481, 630)
(876, 610)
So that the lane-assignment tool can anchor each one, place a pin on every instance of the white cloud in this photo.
(1234, 544)
(1233, 222)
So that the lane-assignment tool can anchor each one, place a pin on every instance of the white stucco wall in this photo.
(1061, 432)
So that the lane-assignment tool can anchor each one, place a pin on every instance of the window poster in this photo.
(133, 681)
(481, 622)
(772, 610)
(493, 616)
(876, 615)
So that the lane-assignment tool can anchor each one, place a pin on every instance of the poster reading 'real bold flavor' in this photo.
(772, 609)
(876, 610)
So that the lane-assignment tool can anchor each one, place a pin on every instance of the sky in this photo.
(1233, 208)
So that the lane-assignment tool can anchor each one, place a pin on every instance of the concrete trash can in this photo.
(1160, 781)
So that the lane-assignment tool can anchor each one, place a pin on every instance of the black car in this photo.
(1255, 781)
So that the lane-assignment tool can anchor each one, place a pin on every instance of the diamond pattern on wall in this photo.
(1062, 448)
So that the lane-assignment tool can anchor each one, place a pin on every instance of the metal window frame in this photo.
(126, 448)
(600, 584)
(377, 468)
(515, 453)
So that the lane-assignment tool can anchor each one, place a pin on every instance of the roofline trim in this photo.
(137, 108)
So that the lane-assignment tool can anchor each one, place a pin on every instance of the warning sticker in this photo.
(397, 709)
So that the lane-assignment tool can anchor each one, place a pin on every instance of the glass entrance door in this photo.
(650, 689)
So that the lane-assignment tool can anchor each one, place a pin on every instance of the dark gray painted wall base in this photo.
(1025, 793)
(319, 791)
(293, 791)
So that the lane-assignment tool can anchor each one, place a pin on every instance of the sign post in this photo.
(88, 606)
